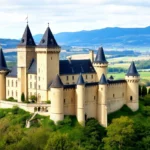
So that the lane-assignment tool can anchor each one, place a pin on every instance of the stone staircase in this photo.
(28, 122)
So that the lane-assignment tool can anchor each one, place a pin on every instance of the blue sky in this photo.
(70, 15)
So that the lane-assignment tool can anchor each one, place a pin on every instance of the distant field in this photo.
(144, 76)
(129, 59)
(122, 65)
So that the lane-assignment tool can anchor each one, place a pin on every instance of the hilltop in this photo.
(109, 37)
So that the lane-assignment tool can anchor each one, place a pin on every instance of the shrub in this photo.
(33, 98)
(146, 110)
(22, 97)
(48, 102)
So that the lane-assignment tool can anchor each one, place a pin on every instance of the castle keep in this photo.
(74, 87)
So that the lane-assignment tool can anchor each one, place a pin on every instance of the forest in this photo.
(126, 130)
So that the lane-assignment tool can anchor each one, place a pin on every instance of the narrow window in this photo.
(31, 85)
(72, 77)
(113, 95)
(30, 76)
(94, 97)
(39, 87)
(131, 98)
(16, 93)
(92, 76)
(122, 94)
(16, 83)
(35, 85)
(39, 78)
(8, 82)
(86, 76)
(8, 92)
(67, 78)
(64, 101)
(12, 93)
(12, 84)
(51, 58)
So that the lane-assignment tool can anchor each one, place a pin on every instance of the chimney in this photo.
(91, 55)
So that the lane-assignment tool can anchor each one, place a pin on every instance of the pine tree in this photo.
(22, 97)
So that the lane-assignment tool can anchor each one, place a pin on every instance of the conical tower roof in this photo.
(48, 40)
(103, 80)
(27, 39)
(132, 71)
(57, 83)
(3, 65)
(80, 80)
(100, 56)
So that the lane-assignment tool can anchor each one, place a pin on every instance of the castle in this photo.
(74, 87)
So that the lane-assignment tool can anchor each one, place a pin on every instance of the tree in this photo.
(93, 133)
(22, 97)
(140, 90)
(120, 134)
(149, 91)
(59, 141)
(144, 91)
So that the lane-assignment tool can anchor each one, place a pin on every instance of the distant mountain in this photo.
(9, 43)
(116, 37)
(108, 37)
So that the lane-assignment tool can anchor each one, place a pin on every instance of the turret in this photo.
(47, 63)
(132, 77)
(57, 102)
(100, 64)
(26, 52)
(102, 101)
(80, 95)
(3, 71)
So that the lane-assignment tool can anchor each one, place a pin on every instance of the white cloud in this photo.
(69, 15)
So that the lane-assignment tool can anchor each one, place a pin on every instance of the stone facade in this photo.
(74, 87)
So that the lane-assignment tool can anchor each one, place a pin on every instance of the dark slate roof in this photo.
(27, 39)
(111, 77)
(57, 83)
(13, 72)
(70, 86)
(75, 67)
(116, 81)
(103, 80)
(132, 70)
(100, 56)
(48, 40)
(80, 80)
(33, 67)
(91, 84)
(3, 65)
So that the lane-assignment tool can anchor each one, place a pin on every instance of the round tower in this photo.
(100, 64)
(132, 77)
(80, 95)
(3, 71)
(57, 103)
(102, 101)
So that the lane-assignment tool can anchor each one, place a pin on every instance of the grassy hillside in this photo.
(69, 135)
